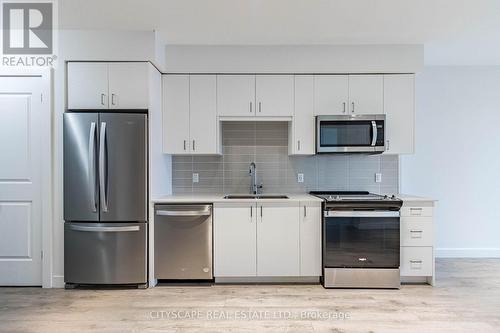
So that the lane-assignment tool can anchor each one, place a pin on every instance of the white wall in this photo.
(457, 158)
(294, 58)
(86, 45)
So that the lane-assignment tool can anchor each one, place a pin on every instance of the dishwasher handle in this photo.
(206, 212)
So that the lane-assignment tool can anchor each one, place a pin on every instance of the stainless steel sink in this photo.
(252, 196)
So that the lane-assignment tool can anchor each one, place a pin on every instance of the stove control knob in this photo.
(386, 197)
(393, 197)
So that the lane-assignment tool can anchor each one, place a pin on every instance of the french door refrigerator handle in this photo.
(103, 229)
(374, 132)
(103, 168)
(91, 166)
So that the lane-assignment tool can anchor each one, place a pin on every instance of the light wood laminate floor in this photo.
(466, 298)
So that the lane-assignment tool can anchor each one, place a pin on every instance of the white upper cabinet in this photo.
(366, 94)
(274, 95)
(399, 106)
(310, 239)
(190, 114)
(331, 94)
(301, 130)
(235, 252)
(128, 85)
(176, 114)
(278, 239)
(203, 114)
(120, 85)
(236, 95)
(87, 85)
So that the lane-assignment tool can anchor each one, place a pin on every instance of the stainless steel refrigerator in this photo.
(105, 198)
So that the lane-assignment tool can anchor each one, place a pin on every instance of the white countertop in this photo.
(211, 198)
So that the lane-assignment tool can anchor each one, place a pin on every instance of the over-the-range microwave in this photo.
(350, 134)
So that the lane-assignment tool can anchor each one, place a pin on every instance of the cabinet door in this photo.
(278, 239)
(203, 114)
(87, 86)
(331, 94)
(301, 142)
(235, 239)
(274, 95)
(310, 239)
(128, 85)
(236, 95)
(176, 114)
(366, 93)
(399, 107)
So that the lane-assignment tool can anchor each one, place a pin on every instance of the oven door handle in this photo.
(374, 133)
(337, 213)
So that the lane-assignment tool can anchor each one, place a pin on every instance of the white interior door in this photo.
(21, 143)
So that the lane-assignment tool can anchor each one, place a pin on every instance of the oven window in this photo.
(361, 242)
(345, 133)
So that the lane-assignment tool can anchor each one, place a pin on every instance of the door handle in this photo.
(194, 147)
(183, 212)
(343, 107)
(261, 213)
(352, 107)
(250, 107)
(298, 145)
(103, 181)
(251, 211)
(374, 133)
(113, 99)
(103, 229)
(260, 107)
(305, 211)
(102, 99)
(91, 166)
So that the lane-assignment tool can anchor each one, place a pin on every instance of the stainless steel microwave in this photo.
(350, 134)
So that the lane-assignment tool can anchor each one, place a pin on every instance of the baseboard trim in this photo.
(57, 281)
(468, 252)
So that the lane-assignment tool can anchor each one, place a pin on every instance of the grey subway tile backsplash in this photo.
(266, 144)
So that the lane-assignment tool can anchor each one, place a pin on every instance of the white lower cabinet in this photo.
(267, 239)
(278, 239)
(310, 238)
(235, 232)
(417, 242)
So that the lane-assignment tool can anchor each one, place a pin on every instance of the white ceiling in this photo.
(454, 32)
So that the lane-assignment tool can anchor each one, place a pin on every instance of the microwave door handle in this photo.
(374, 133)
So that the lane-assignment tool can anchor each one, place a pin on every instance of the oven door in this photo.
(350, 134)
(361, 239)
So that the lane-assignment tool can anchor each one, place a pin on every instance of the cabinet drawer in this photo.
(416, 211)
(417, 231)
(416, 261)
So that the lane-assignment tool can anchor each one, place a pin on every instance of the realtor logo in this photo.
(27, 27)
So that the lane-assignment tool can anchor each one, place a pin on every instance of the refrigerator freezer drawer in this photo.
(105, 253)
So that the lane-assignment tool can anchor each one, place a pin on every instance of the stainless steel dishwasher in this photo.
(183, 242)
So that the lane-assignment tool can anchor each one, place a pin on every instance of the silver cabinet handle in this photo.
(374, 133)
(251, 211)
(91, 166)
(102, 99)
(261, 212)
(352, 107)
(343, 107)
(184, 144)
(103, 168)
(183, 212)
(250, 107)
(103, 229)
(388, 145)
(298, 145)
(194, 146)
(260, 107)
(113, 99)
(305, 211)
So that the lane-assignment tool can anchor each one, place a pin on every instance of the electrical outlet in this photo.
(300, 178)
(378, 178)
(196, 178)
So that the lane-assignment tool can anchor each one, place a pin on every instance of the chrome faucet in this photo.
(254, 188)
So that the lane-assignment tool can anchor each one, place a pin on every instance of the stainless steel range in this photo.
(360, 240)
